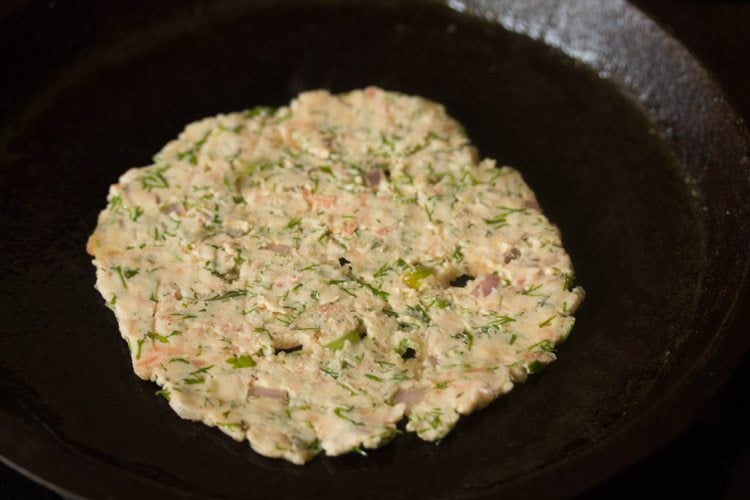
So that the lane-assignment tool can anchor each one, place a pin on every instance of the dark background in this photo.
(712, 458)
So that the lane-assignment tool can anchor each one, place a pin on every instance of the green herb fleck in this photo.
(293, 222)
(544, 346)
(499, 320)
(547, 321)
(230, 425)
(196, 377)
(358, 450)
(184, 315)
(352, 337)
(140, 347)
(135, 213)
(429, 212)
(530, 291)
(419, 313)
(292, 316)
(164, 339)
(381, 294)
(458, 254)
(342, 285)
(192, 153)
(243, 361)
(401, 347)
(258, 110)
(389, 312)
(382, 271)
(125, 274)
(501, 219)
(439, 303)
(415, 149)
(343, 413)
(154, 179)
(115, 202)
(568, 278)
(435, 421)
(232, 294)
(466, 337)
(163, 393)
(535, 367)
(329, 372)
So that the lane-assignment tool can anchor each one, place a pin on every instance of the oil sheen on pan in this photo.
(306, 278)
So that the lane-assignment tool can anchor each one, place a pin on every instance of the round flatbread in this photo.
(306, 277)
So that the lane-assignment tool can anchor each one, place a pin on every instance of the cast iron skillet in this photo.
(630, 146)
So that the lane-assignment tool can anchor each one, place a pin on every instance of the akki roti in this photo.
(305, 278)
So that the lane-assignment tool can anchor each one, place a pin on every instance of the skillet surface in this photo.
(647, 179)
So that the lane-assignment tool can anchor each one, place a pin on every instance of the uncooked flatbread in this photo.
(306, 277)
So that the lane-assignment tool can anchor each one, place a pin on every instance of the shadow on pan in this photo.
(630, 147)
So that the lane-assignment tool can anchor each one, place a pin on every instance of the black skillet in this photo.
(630, 146)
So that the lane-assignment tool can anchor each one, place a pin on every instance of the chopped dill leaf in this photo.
(232, 294)
(352, 337)
(343, 413)
(154, 179)
(163, 393)
(458, 254)
(358, 450)
(243, 361)
(535, 367)
(293, 222)
(258, 111)
(547, 321)
(466, 337)
(135, 213)
(164, 339)
(530, 290)
(125, 274)
(544, 346)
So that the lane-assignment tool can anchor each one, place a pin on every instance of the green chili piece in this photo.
(413, 277)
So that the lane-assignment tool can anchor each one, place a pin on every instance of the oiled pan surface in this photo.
(637, 221)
